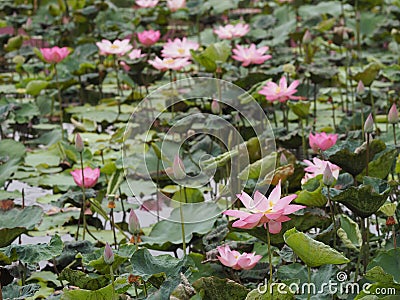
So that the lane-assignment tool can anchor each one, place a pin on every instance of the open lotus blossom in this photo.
(235, 260)
(136, 54)
(317, 167)
(230, 31)
(281, 92)
(322, 141)
(147, 3)
(174, 5)
(250, 55)
(90, 176)
(169, 63)
(272, 210)
(149, 37)
(179, 48)
(117, 47)
(55, 54)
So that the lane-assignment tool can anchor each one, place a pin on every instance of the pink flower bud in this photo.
(327, 177)
(307, 38)
(369, 124)
(108, 255)
(215, 107)
(133, 223)
(178, 168)
(393, 116)
(79, 143)
(360, 88)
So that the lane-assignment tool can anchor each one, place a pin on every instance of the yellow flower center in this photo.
(181, 51)
(114, 47)
(169, 61)
(278, 90)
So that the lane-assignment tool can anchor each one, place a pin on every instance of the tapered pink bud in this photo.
(178, 168)
(307, 38)
(133, 223)
(215, 107)
(79, 143)
(393, 116)
(369, 124)
(360, 88)
(108, 255)
(327, 177)
(283, 160)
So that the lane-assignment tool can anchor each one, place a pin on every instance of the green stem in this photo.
(113, 226)
(112, 282)
(309, 282)
(371, 97)
(394, 134)
(182, 227)
(59, 102)
(366, 169)
(333, 217)
(83, 204)
(116, 73)
(303, 139)
(269, 258)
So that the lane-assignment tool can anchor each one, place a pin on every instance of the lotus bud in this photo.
(369, 124)
(307, 38)
(108, 255)
(178, 168)
(283, 160)
(215, 107)
(327, 177)
(79, 143)
(360, 88)
(133, 223)
(393, 116)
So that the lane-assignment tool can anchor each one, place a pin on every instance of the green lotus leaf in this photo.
(311, 195)
(15, 221)
(220, 289)
(351, 156)
(306, 248)
(365, 199)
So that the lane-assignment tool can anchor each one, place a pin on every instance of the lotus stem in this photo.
(332, 216)
(112, 282)
(182, 226)
(269, 258)
(394, 134)
(59, 102)
(309, 282)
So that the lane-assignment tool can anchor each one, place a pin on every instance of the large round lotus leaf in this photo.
(311, 195)
(15, 221)
(352, 157)
(312, 252)
(365, 199)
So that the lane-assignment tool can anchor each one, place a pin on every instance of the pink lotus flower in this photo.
(90, 176)
(235, 260)
(117, 47)
(55, 54)
(169, 63)
(281, 92)
(178, 168)
(250, 55)
(317, 167)
(136, 54)
(272, 210)
(230, 31)
(179, 48)
(147, 3)
(149, 37)
(322, 141)
(174, 5)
